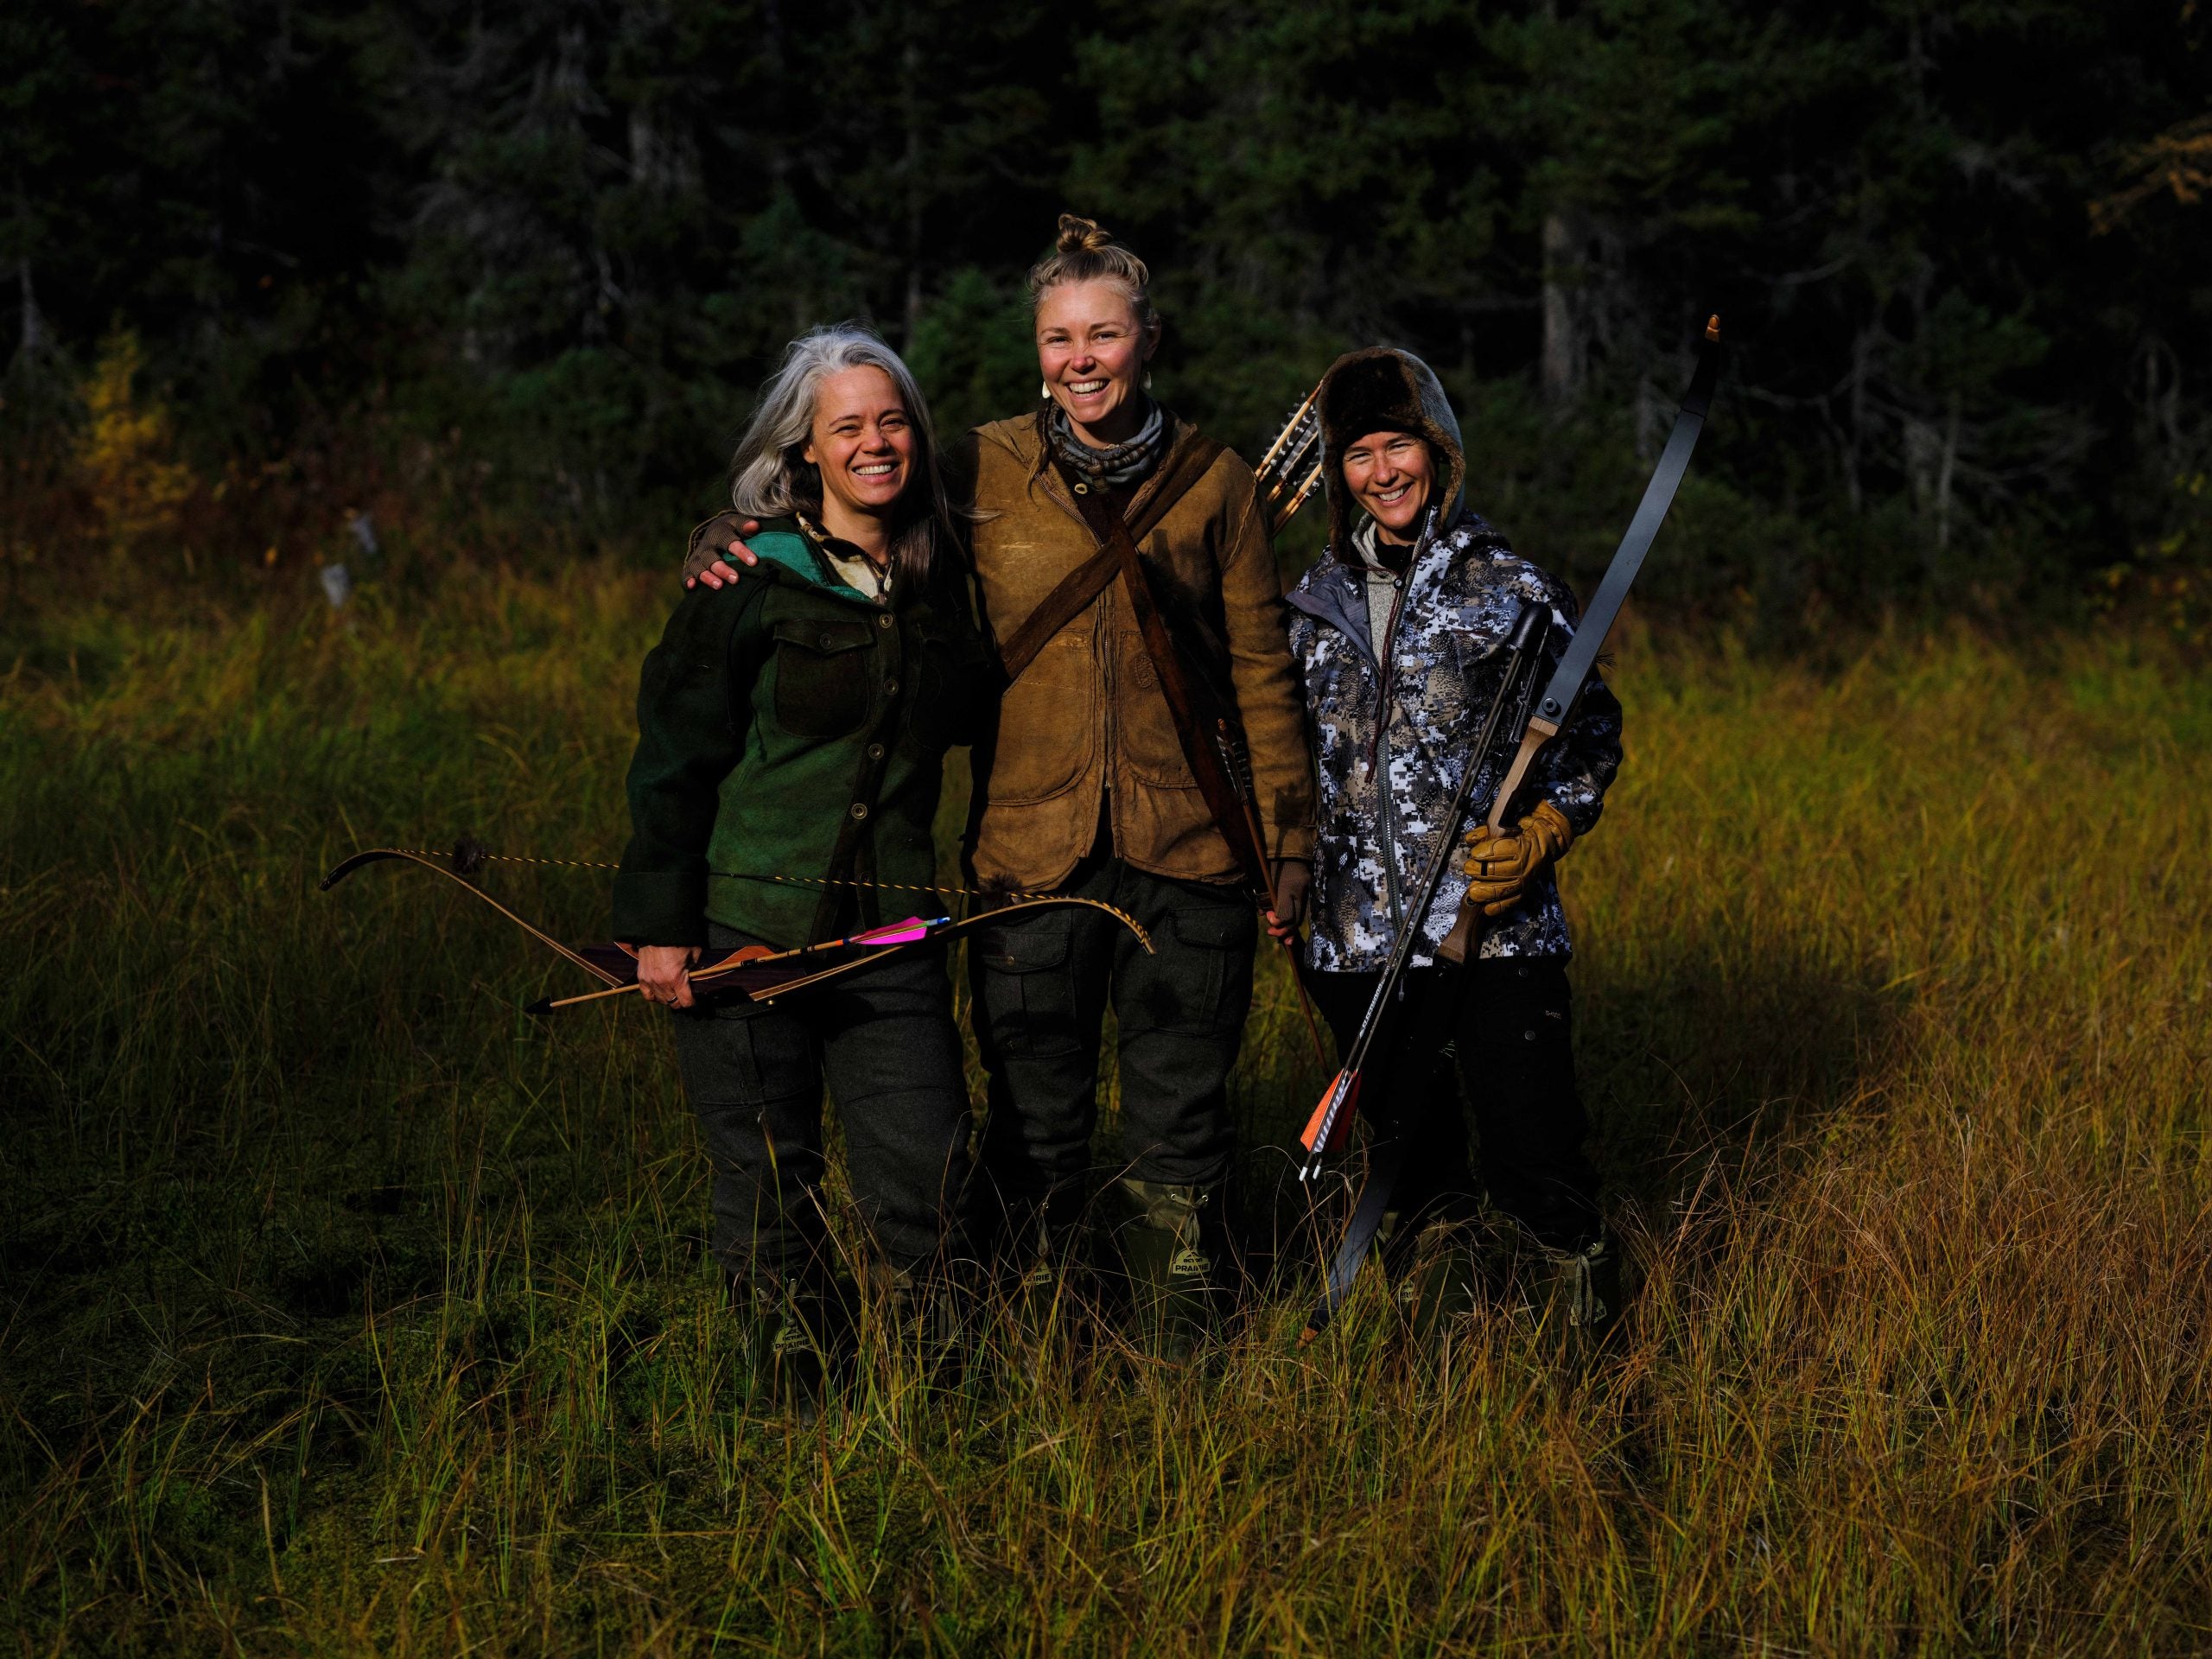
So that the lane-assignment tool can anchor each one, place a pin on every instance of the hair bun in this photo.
(1079, 235)
(1084, 253)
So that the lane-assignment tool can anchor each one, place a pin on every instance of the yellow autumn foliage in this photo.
(125, 455)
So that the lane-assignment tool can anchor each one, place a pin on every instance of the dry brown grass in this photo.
(347, 1310)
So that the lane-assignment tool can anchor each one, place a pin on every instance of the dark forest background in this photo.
(401, 282)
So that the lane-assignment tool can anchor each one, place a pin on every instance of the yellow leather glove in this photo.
(1500, 867)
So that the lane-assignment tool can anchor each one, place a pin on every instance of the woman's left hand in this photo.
(1500, 867)
(663, 973)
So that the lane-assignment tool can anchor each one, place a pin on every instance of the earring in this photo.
(1045, 390)
(1148, 380)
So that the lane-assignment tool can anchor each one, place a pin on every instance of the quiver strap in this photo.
(1076, 591)
(1205, 722)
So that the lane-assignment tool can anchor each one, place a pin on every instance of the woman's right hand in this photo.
(663, 973)
(716, 571)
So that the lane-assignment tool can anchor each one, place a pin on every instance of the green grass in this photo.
(347, 1310)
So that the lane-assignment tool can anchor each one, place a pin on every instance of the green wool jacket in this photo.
(791, 728)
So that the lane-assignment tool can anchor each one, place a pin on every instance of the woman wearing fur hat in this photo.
(1396, 629)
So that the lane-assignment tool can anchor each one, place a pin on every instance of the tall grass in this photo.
(347, 1310)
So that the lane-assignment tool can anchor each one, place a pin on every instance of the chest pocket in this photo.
(822, 676)
(1476, 632)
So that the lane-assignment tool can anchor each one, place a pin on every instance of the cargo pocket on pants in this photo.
(1027, 984)
(1205, 963)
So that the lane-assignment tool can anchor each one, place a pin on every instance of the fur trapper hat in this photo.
(1382, 389)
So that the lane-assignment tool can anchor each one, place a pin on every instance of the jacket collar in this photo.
(788, 544)
(1334, 590)
(1326, 595)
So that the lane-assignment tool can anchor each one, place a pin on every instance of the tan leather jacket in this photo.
(1087, 717)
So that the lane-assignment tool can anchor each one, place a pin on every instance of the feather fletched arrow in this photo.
(755, 974)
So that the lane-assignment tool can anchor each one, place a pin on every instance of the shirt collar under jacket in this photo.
(1367, 532)
(854, 568)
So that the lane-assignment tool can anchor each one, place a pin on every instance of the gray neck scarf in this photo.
(1122, 465)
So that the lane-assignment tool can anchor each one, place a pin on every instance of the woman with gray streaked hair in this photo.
(790, 739)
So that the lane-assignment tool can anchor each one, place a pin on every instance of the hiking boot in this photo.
(1577, 1297)
(787, 1341)
(915, 1315)
(1038, 1268)
(1438, 1286)
(1168, 1252)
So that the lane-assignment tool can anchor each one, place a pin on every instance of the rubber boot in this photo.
(1438, 1286)
(1036, 1264)
(787, 1340)
(1578, 1298)
(1169, 1250)
(913, 1316)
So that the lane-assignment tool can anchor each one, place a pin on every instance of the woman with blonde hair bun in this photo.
(1091, 784)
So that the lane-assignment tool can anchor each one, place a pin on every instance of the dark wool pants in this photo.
(885, 1042)
(1512, 1033)
(1042, 984)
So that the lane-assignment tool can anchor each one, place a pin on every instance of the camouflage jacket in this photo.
(1460, 598)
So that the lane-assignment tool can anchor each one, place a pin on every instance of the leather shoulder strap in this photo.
(1076, 592)
(1207, 730)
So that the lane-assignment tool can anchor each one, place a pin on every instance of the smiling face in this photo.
(1391, 474)
(1091, 350)
(862, 441)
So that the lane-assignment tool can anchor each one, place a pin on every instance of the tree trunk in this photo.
(1861, 367)
(911, 65)
(34, 325)
(1563, 344)
(1945, 470)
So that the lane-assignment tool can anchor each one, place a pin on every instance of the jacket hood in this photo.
(1382, 389)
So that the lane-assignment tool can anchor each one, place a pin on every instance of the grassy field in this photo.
(347, 1310)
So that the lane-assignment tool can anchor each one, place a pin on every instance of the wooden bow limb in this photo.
(379, 854)
(1239, 767)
